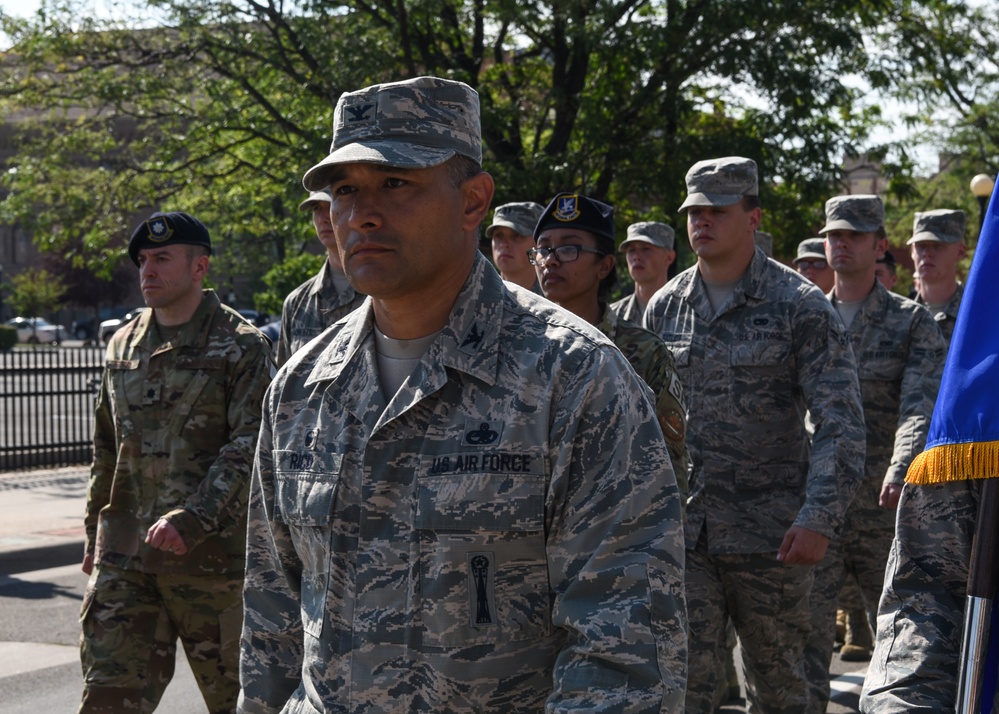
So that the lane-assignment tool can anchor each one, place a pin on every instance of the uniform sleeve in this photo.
(271, 647)
(828, 379)
(282, 350)
(920, 618)
(222, 494)
(671, 411)
(615, 548)
(103, 466)
(920, 383)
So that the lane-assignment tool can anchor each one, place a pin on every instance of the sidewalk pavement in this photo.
(42, 524)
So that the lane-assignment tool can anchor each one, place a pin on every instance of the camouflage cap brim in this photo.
(315, 198)
(928, 237)
(501, 223)
(808, 256)
(403, 155)
(709, 199)
(850, 225)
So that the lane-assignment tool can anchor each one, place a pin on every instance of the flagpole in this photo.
(980, 598)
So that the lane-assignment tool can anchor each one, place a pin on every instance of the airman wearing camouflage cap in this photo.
(899, 352)
(758, 347)
(512, 234)
(811, 262)
(322, 299)
(937, 247)
(649, 252)
(506, 437)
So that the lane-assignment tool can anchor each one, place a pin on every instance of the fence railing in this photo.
(47, 405)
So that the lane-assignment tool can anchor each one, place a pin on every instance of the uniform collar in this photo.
(193, 334)
(752, 286)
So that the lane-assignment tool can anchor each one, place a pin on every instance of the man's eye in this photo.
(342, 190)
(395, 182)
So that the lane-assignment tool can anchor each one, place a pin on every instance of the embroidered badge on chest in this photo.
(482, 433)
(481, 589)
(151, 394)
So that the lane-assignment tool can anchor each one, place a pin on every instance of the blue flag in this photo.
(963, 440)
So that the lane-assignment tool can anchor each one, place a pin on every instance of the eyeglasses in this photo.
(812, 265)
(563, 253)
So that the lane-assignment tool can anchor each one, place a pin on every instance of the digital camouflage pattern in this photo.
(720, 182)
(502, 536)
(921, 616)
(415, 123)
(311, 308)
(519, 217)
(654, 363)
(174, 435)
(946, 318)
(628, 309)
(774, 350)
(129, 643)
(652, 232)
(941, 225)
(864, 213)
(811, 249)
(900, 355)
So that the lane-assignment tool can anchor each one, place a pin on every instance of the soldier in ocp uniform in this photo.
(175, 430)
(462, 499)
(575, 263)
(756, 345)
(511, 235)
(322, 299)
(649, 250)
(937, 246)
(899, 353)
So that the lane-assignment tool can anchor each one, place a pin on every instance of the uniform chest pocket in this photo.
(761, 353)
(305, 486)
(483, 567)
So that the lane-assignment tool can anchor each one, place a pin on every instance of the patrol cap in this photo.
(315, 197)
(416, 123)
(652, 232)
(811, 249)
(765, 241)
(570, 210)
(864, 213)
(519, 217)
(943, 225)
(721, 182)
(168, 229)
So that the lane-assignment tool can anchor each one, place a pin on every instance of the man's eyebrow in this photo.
(339, 174)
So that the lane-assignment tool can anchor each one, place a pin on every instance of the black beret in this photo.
(168, 229)
(570, 210)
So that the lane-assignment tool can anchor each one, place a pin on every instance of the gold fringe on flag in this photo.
(955, 462)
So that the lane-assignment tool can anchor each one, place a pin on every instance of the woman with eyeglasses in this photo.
(574, 259)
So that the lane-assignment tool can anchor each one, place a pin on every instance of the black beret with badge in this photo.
(570, 210)
(168, 229)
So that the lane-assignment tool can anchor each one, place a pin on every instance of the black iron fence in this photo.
(47, 405)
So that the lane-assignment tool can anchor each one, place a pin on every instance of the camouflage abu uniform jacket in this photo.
(311, 308)
(504, 532)
(175, 430)
(654, 363)
(921, 616)
(775, 349)
(946, 319)
(627, 309)
(900, 356)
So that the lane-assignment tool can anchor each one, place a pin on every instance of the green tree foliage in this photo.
(218, 108)
(35, 293)
(285, 277)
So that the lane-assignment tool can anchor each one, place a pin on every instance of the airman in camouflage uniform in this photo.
(649, 251)
(511, 235)
(811, 262)
(756, 345)
(899, 353)
(496, 529)
(579, 284)
(921, 615)
(937, 246)
(322, 299)
(176, 426)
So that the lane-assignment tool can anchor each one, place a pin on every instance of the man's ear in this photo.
(478, 191)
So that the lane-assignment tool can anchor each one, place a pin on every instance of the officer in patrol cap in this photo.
(937, 246)
(765, 495)
(650, 252)
(511, 235)
(899, 350)
(811, 262)
(322, 299)
(436, 464)
(174, 228)
(175, 428)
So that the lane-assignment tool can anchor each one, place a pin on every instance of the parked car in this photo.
(84, 329)
(109, 327)
(35, 330)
